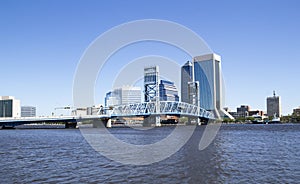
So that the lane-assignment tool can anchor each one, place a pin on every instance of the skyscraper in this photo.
(168, 91)
(274, 105)
(207, 71)
(186, 78)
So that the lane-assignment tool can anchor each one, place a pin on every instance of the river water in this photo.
(239, 154)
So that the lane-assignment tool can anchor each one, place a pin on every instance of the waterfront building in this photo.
(9, 107)
(186, 78)
(256, 113)
(111, 99)
(151, 86)
(124, 95)
(243, 111)
(193, 93)
(128, 95)
(274, 105)
(168, 91)
(84, 111)
(28, 111)
(296, 112)
(106, 99)
(207, 71)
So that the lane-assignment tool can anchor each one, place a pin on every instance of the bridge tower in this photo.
(151, 88)
(151, 79)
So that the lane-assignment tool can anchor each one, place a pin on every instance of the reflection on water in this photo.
(239, 154)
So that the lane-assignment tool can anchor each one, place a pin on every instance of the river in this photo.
(239, 154)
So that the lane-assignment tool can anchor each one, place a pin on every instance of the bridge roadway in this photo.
(151, 111)
(69, 121)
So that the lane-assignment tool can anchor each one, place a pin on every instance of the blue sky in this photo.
(41, 43)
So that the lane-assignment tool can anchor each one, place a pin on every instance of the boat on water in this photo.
(274, 120)
(257, 120)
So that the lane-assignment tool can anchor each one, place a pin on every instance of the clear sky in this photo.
(41, 43)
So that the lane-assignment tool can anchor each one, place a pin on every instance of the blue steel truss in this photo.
(161, 108)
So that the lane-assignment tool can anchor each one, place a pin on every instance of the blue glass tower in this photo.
(207, 71)
(186, 78)
(168, 91)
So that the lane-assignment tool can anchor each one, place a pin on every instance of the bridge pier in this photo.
(72, 124)
(157, 121)
(102, 123)
(194, 120)
(149, 120)
(7, 127)
(204, 121)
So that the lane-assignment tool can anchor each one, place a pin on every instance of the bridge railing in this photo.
(162, 107)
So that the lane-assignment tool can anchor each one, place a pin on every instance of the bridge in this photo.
(153, 110)
(150, 111)
(69, 121)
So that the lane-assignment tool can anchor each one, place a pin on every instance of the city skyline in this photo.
(43, 42)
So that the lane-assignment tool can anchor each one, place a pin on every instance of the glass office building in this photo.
(168, 91)
(186, 78)
(207, 71)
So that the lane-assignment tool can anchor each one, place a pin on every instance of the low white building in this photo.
(9, 107)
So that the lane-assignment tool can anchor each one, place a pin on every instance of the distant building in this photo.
(194, 93)
(274, 105)
(296, 112)
(106, 99)
(128, 95)
(186, 78)
(122, 96)
(9, 107)
(28, 111)
(168, 91)
(83, 111)
(256, 113)
(111, 99)
(243, 111)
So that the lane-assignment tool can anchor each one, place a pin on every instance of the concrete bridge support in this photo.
(102, 123)
(72, 124)
(204, 121)
(151, 120)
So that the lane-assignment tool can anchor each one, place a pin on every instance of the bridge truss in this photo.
(161, 108)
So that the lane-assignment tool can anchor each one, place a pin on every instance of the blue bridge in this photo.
(150, 111)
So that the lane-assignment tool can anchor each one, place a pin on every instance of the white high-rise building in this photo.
(124, 95)
(9, 107)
